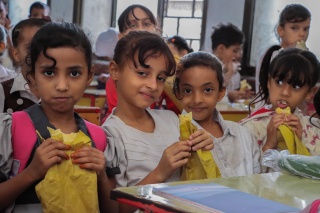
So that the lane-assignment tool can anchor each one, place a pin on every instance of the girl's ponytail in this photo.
(263, 92)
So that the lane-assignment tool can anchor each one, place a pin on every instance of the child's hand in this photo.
(90, 158)
(49, 153)
(294, 123)
(201, 139)
(172, 158)
(272, 128)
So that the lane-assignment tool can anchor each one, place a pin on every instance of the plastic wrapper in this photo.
(300, 165)
(66, 187)
(201, 164)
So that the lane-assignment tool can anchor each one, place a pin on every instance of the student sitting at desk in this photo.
(226, 44)
(199, 86)
(144, 143)
(285, 83)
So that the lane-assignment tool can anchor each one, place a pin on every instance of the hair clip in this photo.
(172, 40)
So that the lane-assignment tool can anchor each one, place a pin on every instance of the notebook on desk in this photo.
(211, 197)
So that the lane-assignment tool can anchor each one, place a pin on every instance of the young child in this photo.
(285, 82)
(60, 71)
(5, 74)
(226, 44)
(199, 87)
(16, 93)
(135, 17)
(141, 141)
(293, 27)
(38, 10)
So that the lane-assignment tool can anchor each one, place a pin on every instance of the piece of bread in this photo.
(285, 110)
(244, 85)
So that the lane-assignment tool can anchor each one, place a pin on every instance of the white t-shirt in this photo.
(137, 153)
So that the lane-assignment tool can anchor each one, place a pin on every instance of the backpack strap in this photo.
(22, 130)
(13, 101)
(97, 135)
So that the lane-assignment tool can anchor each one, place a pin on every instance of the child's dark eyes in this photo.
(294, 85)
(162, 79)
(279, 82)
(142, 73)
(207, 90)
(147, 24)
(74, 73)
(187, 91)
(297, 85)
(48, 73)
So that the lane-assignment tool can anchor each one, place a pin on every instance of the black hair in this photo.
(316, 103)
(197, 59)
(292, 65)
(58, 34)
(293, 13)
(226, 34)
(37, 5)
(124, 22)
(180, 43)
(17, 31)
(145, 45)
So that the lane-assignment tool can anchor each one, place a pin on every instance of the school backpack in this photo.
(25, 141)
(23, 130)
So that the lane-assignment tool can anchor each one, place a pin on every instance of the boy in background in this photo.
(226, 44)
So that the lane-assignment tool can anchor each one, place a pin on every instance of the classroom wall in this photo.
(62, 10)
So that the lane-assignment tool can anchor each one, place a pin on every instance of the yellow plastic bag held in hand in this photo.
(201, 164)
(66, 187)
(287, 138)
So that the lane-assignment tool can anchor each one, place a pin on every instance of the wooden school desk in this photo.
(287, 189)
(93, 98)
(232, 112)
(91, 114)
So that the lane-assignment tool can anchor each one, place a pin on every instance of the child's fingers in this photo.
(88, 152)
(180, 155)
(197, 133)
(198, 136)
(178, 147)
(51, 144)
(181, 162)
(92, 166)
(86, 157)
(207, 144)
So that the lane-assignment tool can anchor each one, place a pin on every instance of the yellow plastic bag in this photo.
(201, 164)
(287, 138)
(66, 187)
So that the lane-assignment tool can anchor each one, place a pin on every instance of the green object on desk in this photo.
(305, 166)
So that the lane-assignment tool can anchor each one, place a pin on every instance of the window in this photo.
(184, 18)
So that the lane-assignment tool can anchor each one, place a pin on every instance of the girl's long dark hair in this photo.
(292, 65)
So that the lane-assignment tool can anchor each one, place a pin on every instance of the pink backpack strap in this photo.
(98, 136)
(23, 139)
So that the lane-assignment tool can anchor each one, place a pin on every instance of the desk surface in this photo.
(234, 108)
(96, 92)
(283, 188)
